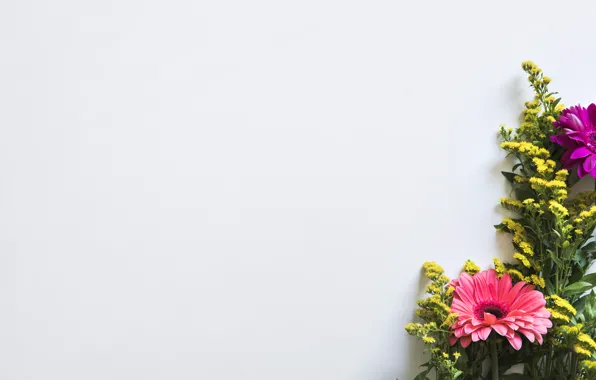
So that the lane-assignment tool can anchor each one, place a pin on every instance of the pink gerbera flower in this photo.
(485, 303)
(579, 127)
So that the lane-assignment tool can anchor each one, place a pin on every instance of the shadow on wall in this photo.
(514, 93)
(414, 358)
(414, 352)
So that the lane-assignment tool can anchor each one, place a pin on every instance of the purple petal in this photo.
(581, 171)
(589, 163)
(575, 123)
(564, 141)
(580, 153)
(592, 113)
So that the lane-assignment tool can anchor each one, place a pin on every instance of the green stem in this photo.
(494, 356)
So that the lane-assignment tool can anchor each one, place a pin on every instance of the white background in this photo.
(247, 189)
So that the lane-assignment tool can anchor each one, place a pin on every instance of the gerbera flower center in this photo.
(496, 308)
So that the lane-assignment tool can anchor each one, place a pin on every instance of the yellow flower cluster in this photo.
(558, 209)
(557, 187)
(450, 320)
(511, 203)
(434, 304)
(536, 280)
(515, 274)
(432, 270)
(525, 148)
(561, 175)
(578, 349)
(433, 288)
(589, 369)
(544, 166)
(530, 67)
(522, 259)
(560, 317)
(499, 267)
(470, 267)
(580, 342)
(437, 319)
(562, 305)
(587, 340)
(520, 239)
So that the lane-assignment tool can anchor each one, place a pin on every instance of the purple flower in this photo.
(579, 133)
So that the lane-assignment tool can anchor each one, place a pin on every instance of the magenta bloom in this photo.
(485, 303)
(579, 127)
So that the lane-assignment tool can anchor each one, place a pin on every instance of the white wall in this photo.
(247, 189)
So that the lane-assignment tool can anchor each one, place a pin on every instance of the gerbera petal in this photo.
(580, 153)
(574, 122)
(515, 341)
(500, 329)
(484, 332)
(465, 341)
(528, 333)
(564, 141)
(489, 318)
(504, 286)
(592, 114)
(589, 163)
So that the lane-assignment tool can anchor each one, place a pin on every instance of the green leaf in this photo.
(422, 375)
(591, 278)
(578, 287)
(509, 176)
(554, 257)
(523, 193)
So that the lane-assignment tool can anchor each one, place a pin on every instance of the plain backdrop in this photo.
(247, 190)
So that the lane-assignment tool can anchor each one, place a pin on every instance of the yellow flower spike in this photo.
(510, 202)
(522, 259)
(546, 80)
(499, 267)
(428, 339)
(560, 107)
(557, 208)
(516, 273)
(555, 183)
(456, 355)
(562, 174)
(526, 248)
(582, 351)
(586, 339)
(550, 119)
(432, 270)
(528, 65)
(538, 281)
(590, 365)
(563, 304)
(555, 315)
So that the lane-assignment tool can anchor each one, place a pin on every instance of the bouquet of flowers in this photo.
(533, 317)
